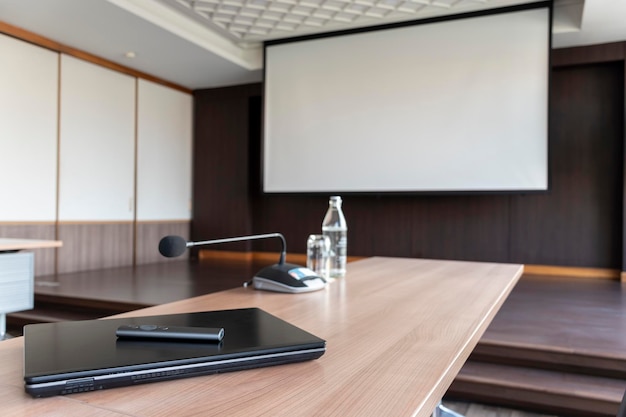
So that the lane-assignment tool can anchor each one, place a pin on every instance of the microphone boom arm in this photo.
(283, 253)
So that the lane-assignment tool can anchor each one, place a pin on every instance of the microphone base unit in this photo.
(288, 278)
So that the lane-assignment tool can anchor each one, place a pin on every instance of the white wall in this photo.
(28, 131)
(84, 121)
(88, 153)
(164, 141)
(97, 143)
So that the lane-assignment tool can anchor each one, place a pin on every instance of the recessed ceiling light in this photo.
(130, 54)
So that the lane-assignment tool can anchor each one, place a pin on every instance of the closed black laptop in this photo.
(70, 357)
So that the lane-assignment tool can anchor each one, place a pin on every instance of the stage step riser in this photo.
(550, 358)
(559, 393)
(531, 401)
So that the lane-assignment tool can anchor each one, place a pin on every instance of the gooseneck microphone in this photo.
(173, 246)
(280, 277)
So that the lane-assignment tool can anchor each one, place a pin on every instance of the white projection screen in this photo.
(457, 105)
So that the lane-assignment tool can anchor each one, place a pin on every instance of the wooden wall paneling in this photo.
(296, 217)
(44, 258)
(575, 223)
(377, 226)
(149, 235)
(255, 127)
(469, 228)
(590, 54)
(474, 228)
(221, 204)
(623, 269)
(94, 245)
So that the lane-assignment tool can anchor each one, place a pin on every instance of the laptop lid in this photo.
(79, 356)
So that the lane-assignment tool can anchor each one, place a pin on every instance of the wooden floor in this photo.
(569, 333)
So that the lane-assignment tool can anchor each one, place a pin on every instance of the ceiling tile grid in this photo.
(257, 20)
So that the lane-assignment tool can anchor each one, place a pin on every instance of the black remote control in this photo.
(152, 331)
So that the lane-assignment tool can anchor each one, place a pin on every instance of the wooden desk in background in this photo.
(397, 331)
(17, 275)
(10, 245)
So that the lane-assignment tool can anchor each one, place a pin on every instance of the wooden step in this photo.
(553, 357)
(545, 391)
(52, 313)
(51, 308)
(16, 321)
(572, 325)
(48, 316)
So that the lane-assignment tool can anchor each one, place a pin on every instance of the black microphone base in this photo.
(288, 278)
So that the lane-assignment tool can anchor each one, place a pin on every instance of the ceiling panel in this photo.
(259, 20)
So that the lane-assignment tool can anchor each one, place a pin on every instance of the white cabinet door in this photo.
(164, 130)
(97, 143)
(28, 131)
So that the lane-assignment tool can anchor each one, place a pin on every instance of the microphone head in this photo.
(172, 246)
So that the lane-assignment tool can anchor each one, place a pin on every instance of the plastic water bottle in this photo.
(335, 227)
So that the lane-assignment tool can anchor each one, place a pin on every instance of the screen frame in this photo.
(547, 4)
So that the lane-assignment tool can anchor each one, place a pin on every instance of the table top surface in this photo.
(397, 331)
(9, 244)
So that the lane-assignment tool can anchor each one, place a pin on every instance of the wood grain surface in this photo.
(397, 331)
(8, 244)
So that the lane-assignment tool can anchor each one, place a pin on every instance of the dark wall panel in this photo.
(579, 222)
(381, 226)
(461, 227)
(221, 204)
(294, 217)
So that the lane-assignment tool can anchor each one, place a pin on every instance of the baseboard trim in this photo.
(269, 257)
(300, 258)
(574, 271)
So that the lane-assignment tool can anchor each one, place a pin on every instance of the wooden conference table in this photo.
(397, 331)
